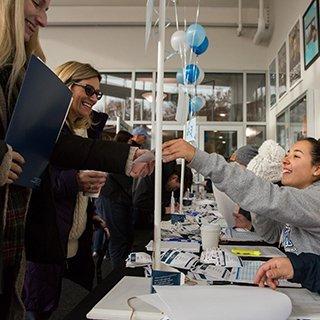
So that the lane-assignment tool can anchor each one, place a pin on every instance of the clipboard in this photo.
(40, 111)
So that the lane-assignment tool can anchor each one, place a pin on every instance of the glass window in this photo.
(282, 69)
(256, 97)
(222, 142)
(292, 124)
(143, 96)
(170, 101)
(273, 83)
(171, 134)
(298, 121)
(256, 135)
(282, 127)
(224, 96)
(117, 90)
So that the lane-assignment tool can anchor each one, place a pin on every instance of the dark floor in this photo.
(72, 293)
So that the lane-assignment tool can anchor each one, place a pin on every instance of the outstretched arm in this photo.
(303, 268)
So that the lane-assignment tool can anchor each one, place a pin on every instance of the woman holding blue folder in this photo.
(19, 26)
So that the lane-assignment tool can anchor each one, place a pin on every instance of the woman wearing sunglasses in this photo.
(59, 220)
(295, 206)
(20, 21)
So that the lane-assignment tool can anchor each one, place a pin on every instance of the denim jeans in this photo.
(120, 220)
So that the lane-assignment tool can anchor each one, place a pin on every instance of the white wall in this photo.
(286, 13)
(122, 47)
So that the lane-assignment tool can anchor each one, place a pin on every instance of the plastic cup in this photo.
(210, 235)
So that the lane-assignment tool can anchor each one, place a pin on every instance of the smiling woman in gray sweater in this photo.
(296, 204)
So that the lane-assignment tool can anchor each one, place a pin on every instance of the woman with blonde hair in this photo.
(19, 26)
(59, 223)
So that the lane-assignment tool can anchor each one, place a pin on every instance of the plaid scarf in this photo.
(13, 237)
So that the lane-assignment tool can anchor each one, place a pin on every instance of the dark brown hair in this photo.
(315, 149)
(123, 136)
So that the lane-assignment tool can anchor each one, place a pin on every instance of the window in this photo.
(171, 134)
(256, 97)
(117, 90)
(222, 142)
(224, 96)
(292, 124)
(170, 101)
(255, 135)
(131, 96)
(143, 98)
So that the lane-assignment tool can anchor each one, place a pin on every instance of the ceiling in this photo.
(130, 3)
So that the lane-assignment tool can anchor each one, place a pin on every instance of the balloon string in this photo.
(176, 15)
(197, 18)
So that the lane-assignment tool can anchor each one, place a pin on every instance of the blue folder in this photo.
(40, 111)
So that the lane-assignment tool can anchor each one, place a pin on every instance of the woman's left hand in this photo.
(98, 222)
(179, 148)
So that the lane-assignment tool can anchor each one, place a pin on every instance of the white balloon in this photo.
(178, 40)
(201, 76)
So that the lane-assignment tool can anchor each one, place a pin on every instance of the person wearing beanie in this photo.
(268, 166)
(244, 154)
(139, 135)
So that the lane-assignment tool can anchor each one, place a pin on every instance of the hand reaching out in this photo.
(143, 163)
(179, 148)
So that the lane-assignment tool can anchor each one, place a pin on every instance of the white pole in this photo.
(183, 165)
(158, 166)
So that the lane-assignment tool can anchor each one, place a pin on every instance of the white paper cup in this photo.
(210, 235)
(91, 195)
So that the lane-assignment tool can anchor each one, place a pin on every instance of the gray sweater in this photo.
(298, 208)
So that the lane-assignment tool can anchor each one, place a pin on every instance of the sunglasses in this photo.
(90, 90)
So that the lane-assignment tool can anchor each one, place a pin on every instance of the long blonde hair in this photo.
(74, 71)
(14, 51)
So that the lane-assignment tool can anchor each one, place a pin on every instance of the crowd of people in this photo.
(46, 234)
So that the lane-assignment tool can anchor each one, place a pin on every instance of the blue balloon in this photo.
(202, 48)
(196, 103)
(179, 76)
(191, 73)
(195, 35)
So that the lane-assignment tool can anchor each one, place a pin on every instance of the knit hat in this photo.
(268, 163)
(245, 154)
(139, 131)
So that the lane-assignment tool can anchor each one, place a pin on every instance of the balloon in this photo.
(178, 40)
(195, 35)
(201, 76)
(191, 73)
(179, 76)
(196, 103)
(202, 48)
